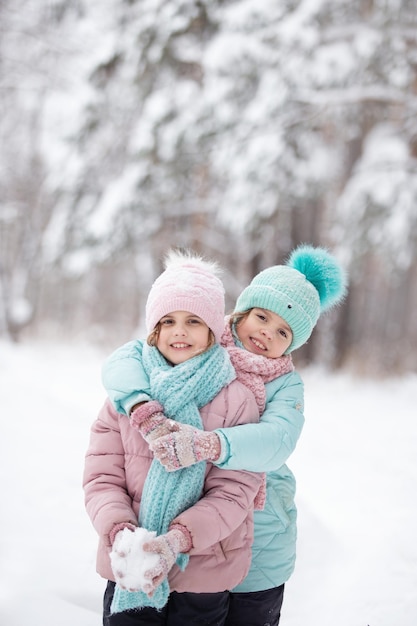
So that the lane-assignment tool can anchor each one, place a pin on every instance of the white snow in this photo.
(355, 466)
(129, 560)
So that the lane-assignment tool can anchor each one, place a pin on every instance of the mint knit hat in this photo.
(189, 283)
(311, 282)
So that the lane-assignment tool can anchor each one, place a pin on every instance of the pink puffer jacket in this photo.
(220, 523)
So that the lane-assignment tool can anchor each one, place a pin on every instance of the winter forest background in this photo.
(239, 128)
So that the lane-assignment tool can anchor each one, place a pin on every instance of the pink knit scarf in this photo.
(254, 370)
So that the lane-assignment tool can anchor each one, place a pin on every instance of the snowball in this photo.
(128, 559)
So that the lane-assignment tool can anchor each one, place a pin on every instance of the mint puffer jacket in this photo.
(262, 447)
(266, 448)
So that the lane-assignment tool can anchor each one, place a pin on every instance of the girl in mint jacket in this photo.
(273, 316)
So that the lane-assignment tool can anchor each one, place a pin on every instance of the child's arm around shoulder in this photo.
(124, 378)
(266, 446)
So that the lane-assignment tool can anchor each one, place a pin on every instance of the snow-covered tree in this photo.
(237, 127)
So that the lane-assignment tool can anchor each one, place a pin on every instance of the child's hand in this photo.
(186, 447)
(151, 422)
(165, 548)
(128, 560)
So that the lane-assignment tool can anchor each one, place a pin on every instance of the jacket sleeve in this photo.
(124, 378)
(106, 498)
(228, 497)
(264, 447)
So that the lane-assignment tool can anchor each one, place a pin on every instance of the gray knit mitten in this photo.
(186, 447)
(151, 422)
(167, 547)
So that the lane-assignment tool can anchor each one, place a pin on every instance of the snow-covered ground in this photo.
(356, 465)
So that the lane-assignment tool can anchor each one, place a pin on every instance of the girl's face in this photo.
(264, 332)
(182, 335)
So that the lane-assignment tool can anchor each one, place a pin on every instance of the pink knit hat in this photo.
(189, 283)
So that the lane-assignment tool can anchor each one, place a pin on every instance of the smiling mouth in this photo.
(180, 345)
(258, 344)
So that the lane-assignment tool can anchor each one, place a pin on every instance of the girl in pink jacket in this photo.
(201, 517)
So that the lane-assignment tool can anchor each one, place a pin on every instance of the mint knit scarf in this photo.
(182, 390)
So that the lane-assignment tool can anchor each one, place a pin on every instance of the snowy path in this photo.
(356, 467)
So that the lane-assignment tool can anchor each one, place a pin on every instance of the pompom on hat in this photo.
(311, 282)
(189, 283)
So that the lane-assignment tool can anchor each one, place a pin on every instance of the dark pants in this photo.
(202, 609)
(258, 608)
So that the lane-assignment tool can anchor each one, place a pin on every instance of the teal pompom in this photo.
(310, 282)
(323, 271)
